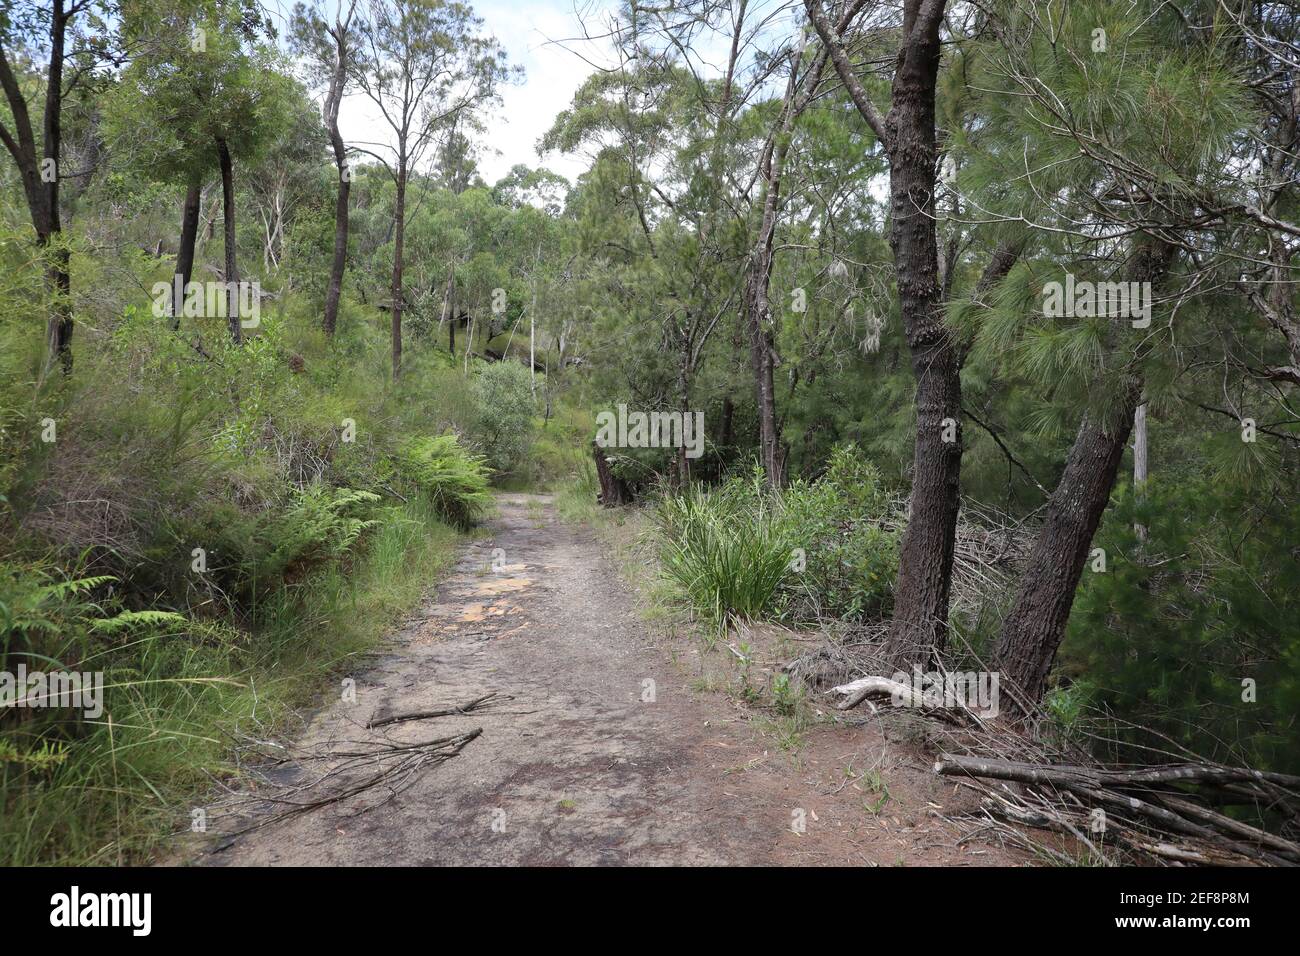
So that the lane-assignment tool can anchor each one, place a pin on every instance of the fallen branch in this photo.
(465, 708)
(859, 690)
(398, 766)
(1136, 794)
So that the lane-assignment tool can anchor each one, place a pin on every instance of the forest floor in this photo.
(582, 764)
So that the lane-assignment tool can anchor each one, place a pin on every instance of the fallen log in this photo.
(1136, 793)
(906, 695)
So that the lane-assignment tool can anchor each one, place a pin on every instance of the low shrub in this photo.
(823, 548)
(843, 523)
(439, 470)
(505, 413)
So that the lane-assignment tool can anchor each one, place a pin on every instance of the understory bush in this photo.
(505, 413)
(452, 480)
(824, 547)
(1191, 636)
(216, 530)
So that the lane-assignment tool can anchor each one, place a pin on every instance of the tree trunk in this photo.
(228, 237)
(613, 490)
(339, 264)
(919, 627)
(1140, 460)
(532, 332)
(728, 423)
(762, 347)
(40, 177)
(449, 312)
(332, 101)
(185, 255)
(399, 236)
(59, 326)
(1032, 631)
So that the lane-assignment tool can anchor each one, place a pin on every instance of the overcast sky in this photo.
(540, 36)
(547, 38)
(532, 32)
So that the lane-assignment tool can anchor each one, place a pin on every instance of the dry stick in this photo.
(465, 708)
(451, 746)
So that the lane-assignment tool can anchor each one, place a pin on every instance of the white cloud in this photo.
(537, 35)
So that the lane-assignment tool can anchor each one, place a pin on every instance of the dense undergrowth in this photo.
(812, 550)
(1182, 644)
(219, 531)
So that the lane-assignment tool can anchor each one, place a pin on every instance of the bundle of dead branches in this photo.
(365, 774)
(1172, 812)
(356, 769)
(1180, 811)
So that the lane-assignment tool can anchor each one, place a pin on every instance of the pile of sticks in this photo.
(1187, 812)
(365, 773)
(1172, 812)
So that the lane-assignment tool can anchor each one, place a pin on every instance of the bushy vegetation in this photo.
(505, 400)
(437, 469)
(219, 531)
(1192, 632)
(821, 548)
(202, 507)
(724, 548)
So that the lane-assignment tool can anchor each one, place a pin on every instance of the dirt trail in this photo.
(578, 768)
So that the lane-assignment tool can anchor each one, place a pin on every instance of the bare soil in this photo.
(584, 766)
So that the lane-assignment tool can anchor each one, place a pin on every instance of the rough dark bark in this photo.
(726, 432)
(613, 490)
(228, 239)
(908, 134)
(925, 567)
(1032, 631)
(189, 238)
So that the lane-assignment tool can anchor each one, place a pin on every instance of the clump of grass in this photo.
(725, 550)
(575, 500)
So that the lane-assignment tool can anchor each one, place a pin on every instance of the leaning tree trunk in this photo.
(1032, 632)
(185, 255)
(228, 235)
